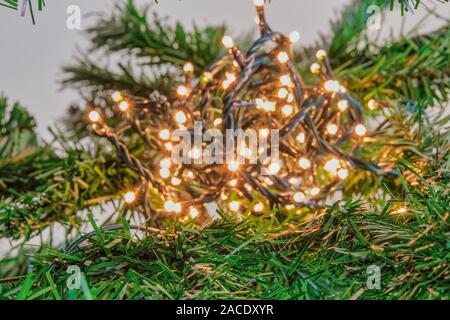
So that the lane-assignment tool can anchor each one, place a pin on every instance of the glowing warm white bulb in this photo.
(258, 3)
(342, 174)
(299, 197)
(294, 36)
(129, 197)
(116, 96)
(123, 106)
(304, 163)
(165, 163)
(164, 173)
(168, 146)
(332, 129)
(233, 166)
(175, 181)
(295, 181)
(229, 79)
(183, 91)
(321, 55)
(274, 167)
(286, 80)
(180, 117)
(188, 68)
(343, 105)
(193, 212)
(264, 132)
(233, 182)
(360, 130)
(164, 134)
(283, 57)
(265, 105)
(282, 93)
(332, 166)
(372, 104)
(228, 42)
(402, 210)
(332, 86)
(301, 138)
(259, 207)
(94, 116)
(217, 122)
(268, 181)
(314, 191)
(287, 110)
(315, 68)
(190, 174)
(234, 206)
(171, 206)
(195, 153)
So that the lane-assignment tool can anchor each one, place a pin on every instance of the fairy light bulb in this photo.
(287, 110)
(285, 80)
(314, 191)
(94, 116)
(295, 181)
(233, 182)
(332, 129)
(175, 181)
(190, 174)
(165, 163)
(282, 93)
(129, 197)
(332, 86)
(342, 174)
(229, 79)
(183, 91)
(360, 130)
(304, 163)
(265, 105)
(193, 212)
(180, 117)
(171, 206)
(299, 197)
(294, 36)
(402, 210)
(315, 68)
(321, 55)
(264, 132)
(332, 166)
(372, 104)
(234, 206)
(343, 105)
(283, 57)
(301, 138)
(116, 96)
(164, 134)
(274, 167)
(228, 42)
(195, 153)
(259, 207)
(258, 3)
(164, 173)
(168, 146)
(217, 122)
(188, 68)
(233, 166)
(123, 106)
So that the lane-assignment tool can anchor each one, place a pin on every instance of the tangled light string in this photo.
(259, 90)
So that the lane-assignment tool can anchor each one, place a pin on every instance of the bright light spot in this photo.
(304, 163)
(123, 106)
(168, 146)
(171, 206)
(217, 122)
(228, 42)
(294, 36)
(129, 197)
(285, 80)
(343, 105)
(315, 68)
(372, 104)
(402, 210)
(164, 173)
(165, 163)
(332, 129)
(332, 166)
(258, 3)
(321, 55)
(360, 130)
(301, 138)
(188, 68)
(332, 86)
(233, 166)
(299, 197)
(193, 212)
(183, 91)
(265, 105)
(175, 181)
(283, 57)
(230, 78)
(259, 207)
(233, 182)
(94, 116)
(314, 191)
(274, 167)
(195, 153)
(164, 134)
(116, 96)
(180, 117)
(282, 93)
(287, 110)
(342, 174)
(234, 206)
(264, 132)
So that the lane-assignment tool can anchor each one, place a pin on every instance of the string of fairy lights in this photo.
(261, 90)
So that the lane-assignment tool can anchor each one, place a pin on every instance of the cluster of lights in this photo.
(277, 104)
